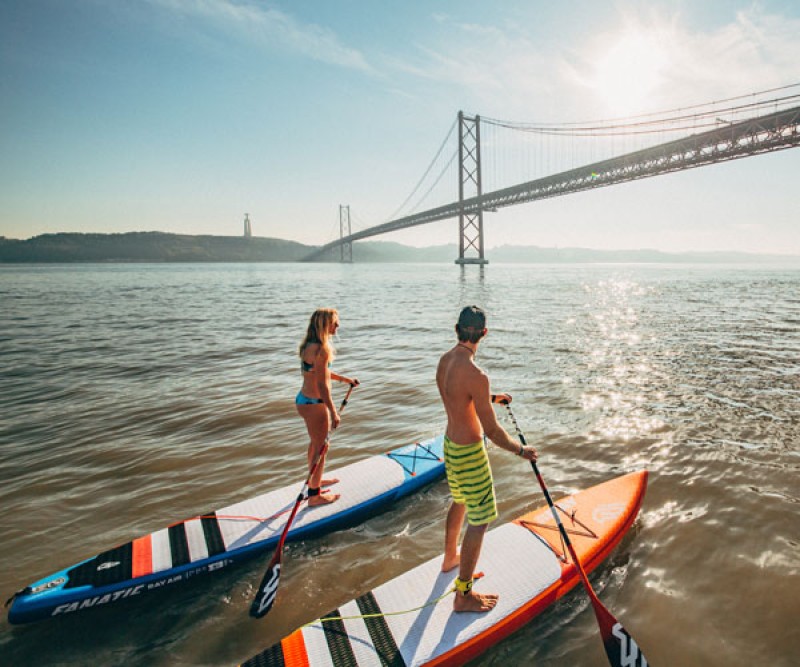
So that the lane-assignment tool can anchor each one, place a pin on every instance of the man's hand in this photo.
(503, 399)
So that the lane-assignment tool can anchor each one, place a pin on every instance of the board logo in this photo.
(608, 512)
(97, 600)
(107, 565)
(50, 584)
(629, 654)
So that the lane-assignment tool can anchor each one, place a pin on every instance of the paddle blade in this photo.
(267, 591)
(621, 649)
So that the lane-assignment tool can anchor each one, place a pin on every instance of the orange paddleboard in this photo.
(523, 561)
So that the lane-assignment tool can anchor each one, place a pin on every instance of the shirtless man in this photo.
(465, 393)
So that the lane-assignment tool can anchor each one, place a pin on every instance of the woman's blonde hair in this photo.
(319, 327)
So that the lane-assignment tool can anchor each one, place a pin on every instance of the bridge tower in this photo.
(470, 225)
(344, 230)
(248, 231)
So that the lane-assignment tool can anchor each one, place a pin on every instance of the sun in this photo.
(630, 71)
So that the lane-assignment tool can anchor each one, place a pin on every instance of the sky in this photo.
(183, 115)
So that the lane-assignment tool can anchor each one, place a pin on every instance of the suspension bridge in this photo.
(489, 153)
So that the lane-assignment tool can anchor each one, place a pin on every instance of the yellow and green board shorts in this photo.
(469, 476)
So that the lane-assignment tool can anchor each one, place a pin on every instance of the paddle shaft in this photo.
(268, 589)
(621, 649)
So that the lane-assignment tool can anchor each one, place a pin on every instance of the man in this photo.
(468, 402)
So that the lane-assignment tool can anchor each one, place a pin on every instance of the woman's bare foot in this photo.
(322, 499)
(473, 601)
(328, 482)
(450, 562)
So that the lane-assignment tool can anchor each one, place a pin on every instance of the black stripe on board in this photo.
(213, 534)
(109, 567)
(178, 545)
(338, 642)
(271, 657)
(379, 632)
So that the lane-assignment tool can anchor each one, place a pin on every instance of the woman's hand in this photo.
(343, 378)
(335, 419)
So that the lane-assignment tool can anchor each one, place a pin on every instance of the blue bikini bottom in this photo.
(302, 399)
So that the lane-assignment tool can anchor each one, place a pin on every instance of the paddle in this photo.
(621, 649)
(268, 589)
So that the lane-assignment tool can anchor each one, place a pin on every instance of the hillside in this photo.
(163, 247)
(149, 247)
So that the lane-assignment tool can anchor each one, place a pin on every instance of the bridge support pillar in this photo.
(346, 255)
(470, 224)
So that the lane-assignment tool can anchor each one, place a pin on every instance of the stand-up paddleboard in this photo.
(215, 540)
(524, 561)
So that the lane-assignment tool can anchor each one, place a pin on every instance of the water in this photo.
(137, 395)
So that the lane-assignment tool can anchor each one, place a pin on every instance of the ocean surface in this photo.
(133, 396)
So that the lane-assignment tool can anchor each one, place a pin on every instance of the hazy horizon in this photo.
(452, 247)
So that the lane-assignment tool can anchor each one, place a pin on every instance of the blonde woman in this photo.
(314, 401)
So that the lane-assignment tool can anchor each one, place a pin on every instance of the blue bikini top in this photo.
(306, 367)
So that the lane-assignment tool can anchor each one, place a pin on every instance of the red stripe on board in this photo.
(142, 557)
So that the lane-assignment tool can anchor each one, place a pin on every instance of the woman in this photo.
(314, 401)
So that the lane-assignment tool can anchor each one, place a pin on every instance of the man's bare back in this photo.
(459, 379)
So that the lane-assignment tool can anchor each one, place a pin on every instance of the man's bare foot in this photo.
(449, 563)
(328, 482)
(323, 499)
(473, 601)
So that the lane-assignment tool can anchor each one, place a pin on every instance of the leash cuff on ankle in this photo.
(463, 587)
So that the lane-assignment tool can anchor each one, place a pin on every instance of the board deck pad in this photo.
(423, 635)
(214, 540)
(522, 561)
(358, 483)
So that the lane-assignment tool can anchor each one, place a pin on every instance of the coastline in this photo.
(161, 247)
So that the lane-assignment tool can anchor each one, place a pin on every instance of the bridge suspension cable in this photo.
(425, 175)
(658, 122)
(521, 151)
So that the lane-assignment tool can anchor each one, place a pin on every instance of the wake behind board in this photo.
(215, 540)
(524, 561)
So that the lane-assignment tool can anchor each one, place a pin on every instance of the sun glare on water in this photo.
(630, 71)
